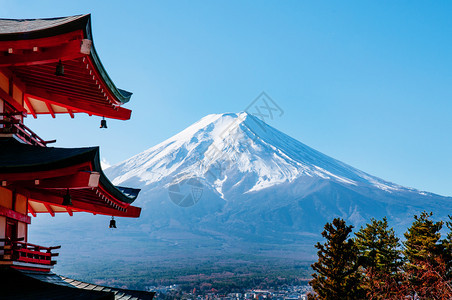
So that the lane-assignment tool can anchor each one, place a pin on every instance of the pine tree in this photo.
(425, 266)
(337, 275)
(381, 259)
(447, 245)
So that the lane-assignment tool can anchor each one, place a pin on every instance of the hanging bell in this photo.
(112, 223)
(67, 199)
(103, 123)
(59, 70)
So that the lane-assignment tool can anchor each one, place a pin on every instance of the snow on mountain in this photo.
(231, 177)
(231, 184)
(220, 148)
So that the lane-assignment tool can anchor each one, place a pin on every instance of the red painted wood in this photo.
(24, 133)
(31, 210)
(95, 207)
(12, 177)
(42, 42)
(89, 108)
(9, 213)
(68, 82)
(34, 260)
(10, 100)
(75, 70)
(104, 87)
(32, 110)
(67, 89)
(81, 83)
(83, 199)
(46, 72)
(68, 51)
(49, 209)
(25, 245)
(78, 180)
(105, 193)
(49, 107)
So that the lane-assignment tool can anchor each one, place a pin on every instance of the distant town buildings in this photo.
(283, 293)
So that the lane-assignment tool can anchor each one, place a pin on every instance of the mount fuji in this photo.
(235, 179)
(230, 184)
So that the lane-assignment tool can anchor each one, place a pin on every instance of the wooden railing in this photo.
(13, 125)
(28, 253)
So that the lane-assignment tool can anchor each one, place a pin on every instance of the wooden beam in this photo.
(31, 210)
(110, 198)
(39, 196)
(10, 86)
(93, 109)
(71, 50)
(71, 113)
(30, 106)
(67, 88)
(49, 209)
(11, 177)
(80, 180)
(49, 107)
(11, 101)
(40, 43)
(95, 74)
(14, 215)
(47, 71)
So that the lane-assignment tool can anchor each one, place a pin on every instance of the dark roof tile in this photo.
(14, 26)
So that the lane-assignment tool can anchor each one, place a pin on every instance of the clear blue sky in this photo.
(366, 82)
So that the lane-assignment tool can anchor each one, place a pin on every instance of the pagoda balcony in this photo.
(25, 255)
(11, 125)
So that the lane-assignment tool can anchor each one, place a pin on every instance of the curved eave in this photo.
(47, 174)
(32, 32)
(122, 95)
(29, 29)
(112, 189)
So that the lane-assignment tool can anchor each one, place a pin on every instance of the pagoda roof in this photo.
(21, 284)
(47, 174)
(120, 294)
(30, 50)
(17, 284)
(26, 29)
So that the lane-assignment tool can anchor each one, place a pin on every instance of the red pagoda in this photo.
(50, 66)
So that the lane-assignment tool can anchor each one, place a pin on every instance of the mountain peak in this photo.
(231, 184)
(235, 179)
(237, 149)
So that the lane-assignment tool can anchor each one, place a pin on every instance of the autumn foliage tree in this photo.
(425, 267)
(381, 260)
(375, 265)
(337, 275)
(447, 244)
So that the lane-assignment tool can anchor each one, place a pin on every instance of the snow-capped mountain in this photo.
(235, 179)
(222, 148)
(232, 185)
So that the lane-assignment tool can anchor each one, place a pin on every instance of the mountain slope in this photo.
(217, 142)
(230, 187)
(234, 178)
